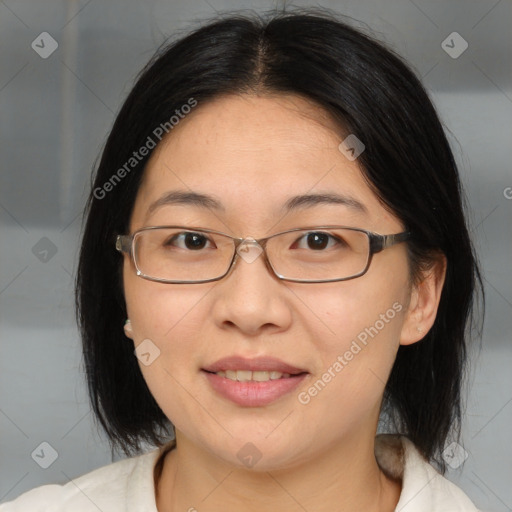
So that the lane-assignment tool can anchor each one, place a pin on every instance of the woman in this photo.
(275, 258)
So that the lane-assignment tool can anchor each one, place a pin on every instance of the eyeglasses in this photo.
(185, 255)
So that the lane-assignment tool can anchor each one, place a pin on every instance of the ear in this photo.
(128, 331)
(424, 301)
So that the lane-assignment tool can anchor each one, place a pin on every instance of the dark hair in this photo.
(408, 163)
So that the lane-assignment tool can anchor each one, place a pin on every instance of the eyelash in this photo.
(184, 233)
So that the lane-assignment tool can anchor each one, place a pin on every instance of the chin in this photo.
(257, 453)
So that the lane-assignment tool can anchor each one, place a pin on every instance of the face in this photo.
(252, 154)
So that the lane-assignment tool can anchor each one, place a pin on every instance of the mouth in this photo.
(242, 367)
(256, 376)
(253, 382)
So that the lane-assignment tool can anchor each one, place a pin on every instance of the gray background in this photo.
(54, 117)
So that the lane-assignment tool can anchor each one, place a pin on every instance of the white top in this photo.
(128, 485)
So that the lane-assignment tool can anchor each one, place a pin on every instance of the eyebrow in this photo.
(184, 197)
(294, 203)
(309, 200)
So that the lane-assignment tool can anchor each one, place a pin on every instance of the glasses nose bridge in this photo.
(261, 242)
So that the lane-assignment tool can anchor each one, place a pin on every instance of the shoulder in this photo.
(109, 488)
(423, 487)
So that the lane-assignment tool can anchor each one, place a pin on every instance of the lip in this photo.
(264, 364)
(253, 393)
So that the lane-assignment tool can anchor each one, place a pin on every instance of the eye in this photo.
(189, 240)
(318, 241)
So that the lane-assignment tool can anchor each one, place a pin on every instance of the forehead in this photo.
(252, 153)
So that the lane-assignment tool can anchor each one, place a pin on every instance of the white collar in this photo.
(424, 489)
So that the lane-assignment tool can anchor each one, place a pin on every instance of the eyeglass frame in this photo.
(377, 243)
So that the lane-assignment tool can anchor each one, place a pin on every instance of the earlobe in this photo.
(424, 303)
(128, 331)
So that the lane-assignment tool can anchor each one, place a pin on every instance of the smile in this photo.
(246, 375)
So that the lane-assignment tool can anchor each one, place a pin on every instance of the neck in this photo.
(345, 478)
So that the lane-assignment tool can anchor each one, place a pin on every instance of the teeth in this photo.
(247, 375)
(243, 375)
(261, 376)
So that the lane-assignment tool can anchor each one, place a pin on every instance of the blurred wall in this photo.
(66, 66)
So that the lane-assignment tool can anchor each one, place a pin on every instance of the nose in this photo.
(251, 298)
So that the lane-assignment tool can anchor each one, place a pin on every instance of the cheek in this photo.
(172, 320)
(155, 309)
(165, 337)
(348, 309)
(356, 340)
(166, 322)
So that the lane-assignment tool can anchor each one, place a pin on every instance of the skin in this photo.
(252, 153)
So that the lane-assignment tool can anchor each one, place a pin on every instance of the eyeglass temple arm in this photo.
(124, 243)
(381, 242)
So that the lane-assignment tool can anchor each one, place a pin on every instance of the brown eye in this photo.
(188, 240)
(317, 241)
